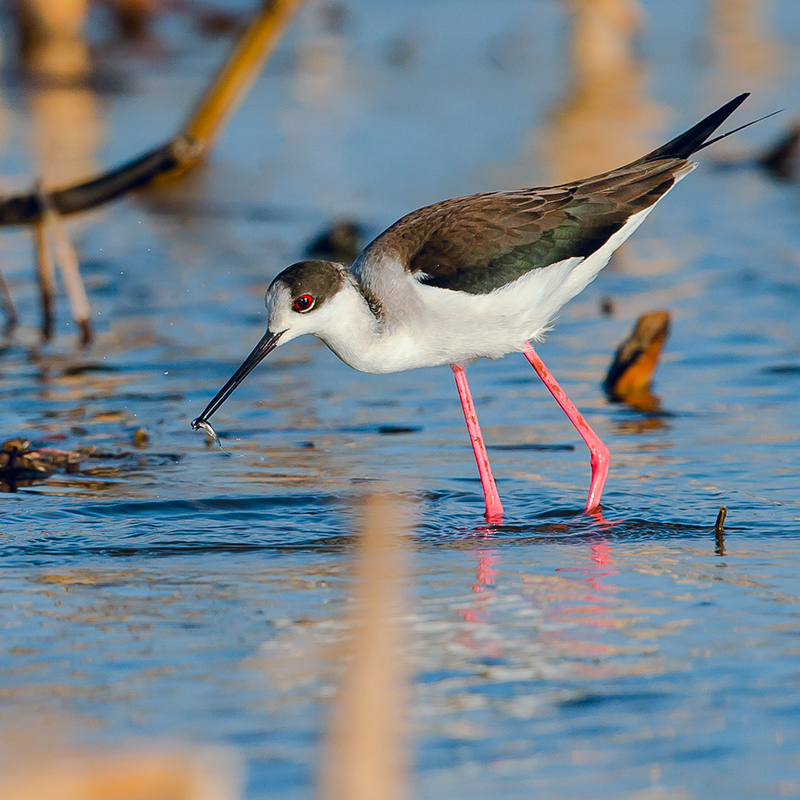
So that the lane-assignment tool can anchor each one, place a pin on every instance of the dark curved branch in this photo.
(176, 155)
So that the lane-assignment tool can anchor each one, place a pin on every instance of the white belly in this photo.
(427, 326)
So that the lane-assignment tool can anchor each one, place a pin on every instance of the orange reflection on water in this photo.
(51, 38)
(67, 129)
(606, 118)
(746, 52)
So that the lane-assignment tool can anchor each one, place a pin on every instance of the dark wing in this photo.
(477, 244)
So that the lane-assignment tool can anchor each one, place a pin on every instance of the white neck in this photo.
(352, 331)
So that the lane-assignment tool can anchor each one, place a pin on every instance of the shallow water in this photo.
(175, 592)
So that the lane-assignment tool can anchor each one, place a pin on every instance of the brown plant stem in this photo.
(7, 302)
(719, 531)
(45, 270)
(67, 262)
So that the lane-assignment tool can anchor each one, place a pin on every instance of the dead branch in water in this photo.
(719, 530)
(185, 150)
(631, 373)
(67, 261)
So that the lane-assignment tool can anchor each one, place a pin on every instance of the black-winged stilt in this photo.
(475, 276)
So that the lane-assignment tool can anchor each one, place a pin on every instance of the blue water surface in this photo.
(174, 593)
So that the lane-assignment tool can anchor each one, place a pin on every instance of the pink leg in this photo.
(598, 450)
(494, 508)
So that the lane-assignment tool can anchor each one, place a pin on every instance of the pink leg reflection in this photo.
(485, 576)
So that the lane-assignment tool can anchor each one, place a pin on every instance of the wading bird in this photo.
(476, 276)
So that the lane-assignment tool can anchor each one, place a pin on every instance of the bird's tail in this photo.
(696, 138)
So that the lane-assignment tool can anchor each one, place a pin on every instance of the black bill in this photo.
(269, 341)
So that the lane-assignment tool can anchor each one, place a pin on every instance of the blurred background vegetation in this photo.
(154, 589)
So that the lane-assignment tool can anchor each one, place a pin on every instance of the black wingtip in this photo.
(736, 130)
(696, 137)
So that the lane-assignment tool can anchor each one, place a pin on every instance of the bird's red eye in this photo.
(304, 302)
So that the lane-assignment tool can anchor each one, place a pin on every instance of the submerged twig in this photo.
(719, 530)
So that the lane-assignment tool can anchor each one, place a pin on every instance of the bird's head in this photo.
(301, 299)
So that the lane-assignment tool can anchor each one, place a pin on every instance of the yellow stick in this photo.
(366, 755)
(234, 80)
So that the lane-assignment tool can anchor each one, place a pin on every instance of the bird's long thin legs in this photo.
(598, 450)
(494, 508)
